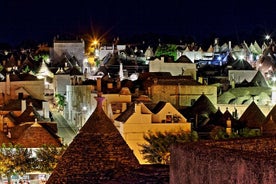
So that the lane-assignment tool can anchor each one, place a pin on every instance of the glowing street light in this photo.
(268, 38)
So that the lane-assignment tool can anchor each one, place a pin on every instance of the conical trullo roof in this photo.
(202, 105)
(269, 128)
(36, 136)
(98, 154)
(253, 117)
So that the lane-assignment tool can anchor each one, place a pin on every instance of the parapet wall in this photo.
(216, 162)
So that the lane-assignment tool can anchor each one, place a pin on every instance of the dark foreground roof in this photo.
(99, 154)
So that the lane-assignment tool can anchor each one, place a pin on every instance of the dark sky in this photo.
(42, 20)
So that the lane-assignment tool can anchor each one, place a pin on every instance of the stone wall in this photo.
(238, 161)
(183, 94)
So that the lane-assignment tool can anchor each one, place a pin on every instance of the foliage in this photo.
(15, 160)
(47, 157)
(166, 50)
(41, 56)
(156, 150)
(60, 100)
(26, 69)
(247, 132)
(219, 133)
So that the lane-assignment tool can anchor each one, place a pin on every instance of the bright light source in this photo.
(84, 108)
(267, 37)
(241, 57)
(95, 42)
(85, 60)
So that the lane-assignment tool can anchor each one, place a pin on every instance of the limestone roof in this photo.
(270, 115)
(158, 107)
(240, 65)
(259, 80)
(3, 138)
(216, 119)
(28, 115)
(183, 59)
(99, 154)
(269, 127)
(15, 105)
(124, 116)
(75, 71)
(202, 105)
(252, 116)
(34, 135)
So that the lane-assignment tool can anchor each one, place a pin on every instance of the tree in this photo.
(60, 101)
(166, 50)
(47, 157)
(156, 150)
(15, 160)
(219, 133)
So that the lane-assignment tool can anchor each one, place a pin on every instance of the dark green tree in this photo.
(60, 101)
(156, 150)
(166, 50)
(219, 133)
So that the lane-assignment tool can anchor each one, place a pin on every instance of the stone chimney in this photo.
(46, 109)
(99, 84)
(137, 108)
(23, 105)
(8, 84)
(119, 85)
(99, 98)
(79, 81)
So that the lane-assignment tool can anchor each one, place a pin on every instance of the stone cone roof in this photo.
(35, 136)
(202, 105)
(217, 119)
(269, 127)
(252, 116)
(98, 154)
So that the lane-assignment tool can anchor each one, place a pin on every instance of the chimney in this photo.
(99, 84)
(99, 100)
(137, 108)
(71, 81)
(8, 84)
(118, 83)
(46, 109)
(23, 105)
(80, 81)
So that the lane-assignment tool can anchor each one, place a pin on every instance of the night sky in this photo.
(42, 20)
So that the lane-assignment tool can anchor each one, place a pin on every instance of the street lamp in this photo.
(268, 39)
